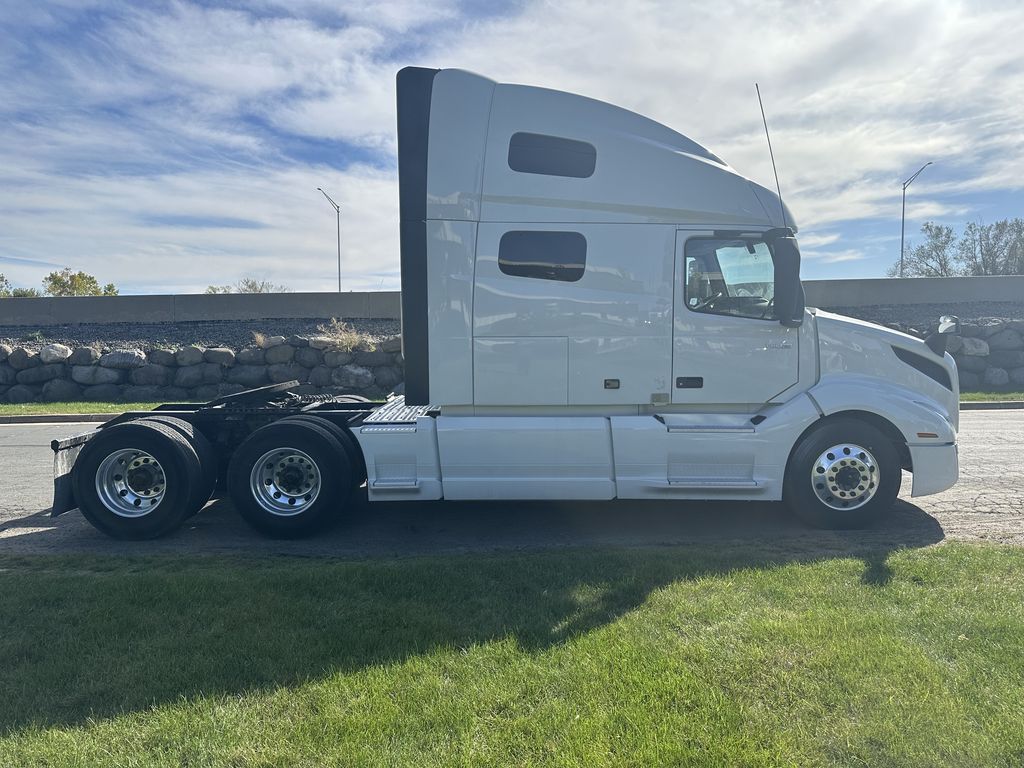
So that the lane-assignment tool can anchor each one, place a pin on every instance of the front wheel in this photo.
(843, 474)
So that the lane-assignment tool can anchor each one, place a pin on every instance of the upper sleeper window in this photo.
(543, 255)
(551, 155)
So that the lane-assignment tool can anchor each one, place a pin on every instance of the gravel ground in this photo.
(922, 317)
(230, 333)
(238, 333)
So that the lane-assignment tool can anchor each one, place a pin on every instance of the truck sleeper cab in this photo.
(593, 307)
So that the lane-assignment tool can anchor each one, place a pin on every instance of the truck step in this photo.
(710, 428)
(395, 411)
(396, 485)
(720, 423)
(712, 482)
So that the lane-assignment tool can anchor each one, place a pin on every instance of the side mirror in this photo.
(789, 291)
(949, 325)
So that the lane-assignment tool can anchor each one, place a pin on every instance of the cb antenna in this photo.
(772, 155)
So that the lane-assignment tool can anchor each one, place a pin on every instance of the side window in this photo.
(543, 255)
(551, 155)
(730, 277)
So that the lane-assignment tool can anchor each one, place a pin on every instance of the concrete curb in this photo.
(991, 405)
(99, 418)
(57, 418)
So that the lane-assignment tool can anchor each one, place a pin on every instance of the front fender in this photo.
(926, 428)
(914, 414)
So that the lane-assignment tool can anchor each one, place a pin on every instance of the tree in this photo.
(936, 257)
(8, 291)
(983, 249)
(249, 285)
(993, 249)
(68, 283)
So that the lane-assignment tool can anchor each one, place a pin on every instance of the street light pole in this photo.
(903, 216)
(337, 211)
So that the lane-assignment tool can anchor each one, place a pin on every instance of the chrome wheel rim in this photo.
(285, 481)
(845, 477)
(130, 483)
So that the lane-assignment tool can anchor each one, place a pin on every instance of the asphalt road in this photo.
(987, 504)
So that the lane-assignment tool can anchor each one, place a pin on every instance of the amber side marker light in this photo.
(927, 434)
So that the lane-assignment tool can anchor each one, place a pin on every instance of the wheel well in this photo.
(880, 423)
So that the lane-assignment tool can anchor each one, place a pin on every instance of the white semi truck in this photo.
(593, 307)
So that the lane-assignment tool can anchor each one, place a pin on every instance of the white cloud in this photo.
(834, 257)
(184, 110)
(295, 243)
(815, 240)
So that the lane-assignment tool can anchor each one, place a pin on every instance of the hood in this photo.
(863, 327)
(849, 346)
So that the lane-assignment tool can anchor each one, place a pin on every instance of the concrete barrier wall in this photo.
(386, 304)
(919, 290)
(198, 307)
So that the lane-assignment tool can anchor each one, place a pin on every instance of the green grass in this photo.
(32, 409)
(673, 656)
(972, 397)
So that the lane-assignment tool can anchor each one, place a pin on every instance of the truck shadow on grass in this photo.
(87, 636)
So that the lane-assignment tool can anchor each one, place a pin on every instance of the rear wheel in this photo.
(204, 451)
(137, 480)
(844, 474)
(290, 479)
(344, 437)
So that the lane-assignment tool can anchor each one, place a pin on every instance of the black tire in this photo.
(343, 436)
(263, 504)
(208, 462)
(852, 502)
(179, 469)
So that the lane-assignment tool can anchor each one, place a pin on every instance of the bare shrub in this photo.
(343, 336)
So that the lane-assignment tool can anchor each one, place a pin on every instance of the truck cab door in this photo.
(727, 346)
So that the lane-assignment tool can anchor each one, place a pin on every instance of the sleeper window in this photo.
(551, 155)
(543, 255)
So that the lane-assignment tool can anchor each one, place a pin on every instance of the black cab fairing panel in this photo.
(414, 89)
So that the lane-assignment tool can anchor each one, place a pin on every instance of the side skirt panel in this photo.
(708, 456)
(524, 457)
(685, 456)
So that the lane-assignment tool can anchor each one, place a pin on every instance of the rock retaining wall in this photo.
(56, 372)
(989, 355)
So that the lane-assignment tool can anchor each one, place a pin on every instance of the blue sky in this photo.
(165, 146)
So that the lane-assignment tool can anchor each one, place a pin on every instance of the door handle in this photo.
(689, 382)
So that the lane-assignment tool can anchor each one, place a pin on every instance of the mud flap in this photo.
(65, 453)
